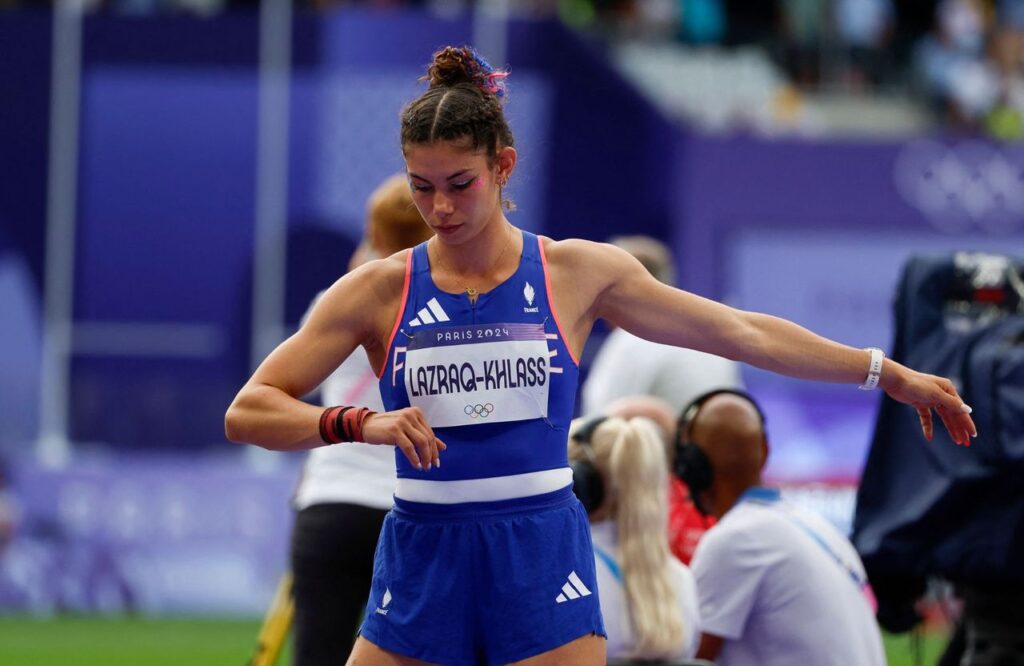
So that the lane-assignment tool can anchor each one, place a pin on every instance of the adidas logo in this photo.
(573, 589)
(382, 609)
(429, 314)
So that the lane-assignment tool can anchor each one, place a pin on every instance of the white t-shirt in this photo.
(615, 608)
(627, 365)
(769, 586)
(350, 472)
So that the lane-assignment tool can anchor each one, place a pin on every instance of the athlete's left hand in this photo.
(927, 392)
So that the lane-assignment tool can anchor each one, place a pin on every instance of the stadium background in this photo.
(179, 180)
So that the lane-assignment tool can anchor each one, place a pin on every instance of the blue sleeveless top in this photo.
(495, 379)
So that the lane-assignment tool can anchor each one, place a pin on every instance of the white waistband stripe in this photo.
(491, 489)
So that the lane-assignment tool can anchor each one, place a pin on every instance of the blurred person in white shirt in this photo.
(777, 585)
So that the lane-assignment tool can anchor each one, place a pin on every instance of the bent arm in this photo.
(358, 309)
(268, 410)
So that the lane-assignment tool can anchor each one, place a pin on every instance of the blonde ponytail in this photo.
(640, 474)
(631, 459)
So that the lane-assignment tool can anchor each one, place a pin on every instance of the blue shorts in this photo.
(483, 582)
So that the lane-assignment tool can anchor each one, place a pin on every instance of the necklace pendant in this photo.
(471, 292)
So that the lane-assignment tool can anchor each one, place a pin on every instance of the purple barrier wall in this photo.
(154, 535)
(922, 193)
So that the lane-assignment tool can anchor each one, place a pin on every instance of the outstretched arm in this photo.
(268, 410)
(629, 297)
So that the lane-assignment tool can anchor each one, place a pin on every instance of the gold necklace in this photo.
(472, 293)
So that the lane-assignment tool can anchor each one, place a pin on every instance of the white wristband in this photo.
(874, 369)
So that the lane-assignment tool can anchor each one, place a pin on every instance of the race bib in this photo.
(482, 373)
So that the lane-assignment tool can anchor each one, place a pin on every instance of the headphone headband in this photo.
(690, 411)
(585, 432)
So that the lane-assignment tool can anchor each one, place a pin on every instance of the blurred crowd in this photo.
(971, 65)
(962, 60)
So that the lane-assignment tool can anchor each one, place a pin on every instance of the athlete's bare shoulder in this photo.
(381, 276)
(597, 263)
(582, 273)
(365, 297)
(387, 276)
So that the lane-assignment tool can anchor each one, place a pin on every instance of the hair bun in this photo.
(453, 65)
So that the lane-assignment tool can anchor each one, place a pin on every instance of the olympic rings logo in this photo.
(965, 186)
(481, 411)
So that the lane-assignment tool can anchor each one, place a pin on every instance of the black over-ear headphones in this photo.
(586, 480)
(692, 465)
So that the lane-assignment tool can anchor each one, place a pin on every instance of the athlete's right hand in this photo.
(408, 430)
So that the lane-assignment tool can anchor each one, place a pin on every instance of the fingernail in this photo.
(418, 465)
(965, 408)
(438, 463)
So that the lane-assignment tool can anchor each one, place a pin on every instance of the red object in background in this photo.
(989, 295)
(686, 525)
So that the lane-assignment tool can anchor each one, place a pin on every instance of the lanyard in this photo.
(609, 562)
(772, 497)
